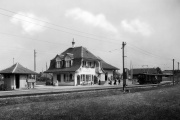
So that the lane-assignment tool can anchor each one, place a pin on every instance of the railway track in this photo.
(35, 92)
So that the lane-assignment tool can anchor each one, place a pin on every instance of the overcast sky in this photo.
(150, 29)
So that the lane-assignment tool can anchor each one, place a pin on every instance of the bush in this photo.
(43, 79)
(48, 82)
(3, 87)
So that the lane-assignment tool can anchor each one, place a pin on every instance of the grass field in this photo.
(159, 104)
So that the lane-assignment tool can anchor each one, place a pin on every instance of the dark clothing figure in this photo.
(119, 81)
(110, 82)
(99, 82)
(115, 82)
(33, 84)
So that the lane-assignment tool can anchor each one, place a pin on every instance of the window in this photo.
(68, 78)
(71, 78)
(83, 77)
(84, 64)
(68, 63)
(92, 64)
(87, 64)
(71, 62)
(58, 64)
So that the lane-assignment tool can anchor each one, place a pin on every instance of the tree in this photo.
(159, 71)
(1, 77)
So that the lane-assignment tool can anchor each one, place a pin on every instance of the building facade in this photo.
(17, 76)
(78, 66)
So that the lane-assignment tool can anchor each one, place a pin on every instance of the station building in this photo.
(78, 66)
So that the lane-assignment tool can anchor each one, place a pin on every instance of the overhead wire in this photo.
(60, 30)
(147, 52)
(134, 51)
(61, 26)
(132, 46)
(55, 24)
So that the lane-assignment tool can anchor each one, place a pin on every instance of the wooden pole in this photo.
(173, 71)
(124, 76)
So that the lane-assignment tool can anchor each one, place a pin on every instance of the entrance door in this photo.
(106, 76)
(59, 78)
(78, 80)
(17, 81)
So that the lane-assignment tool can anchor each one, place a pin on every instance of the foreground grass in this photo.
(159, 104)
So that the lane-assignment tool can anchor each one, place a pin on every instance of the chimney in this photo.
(73, 43)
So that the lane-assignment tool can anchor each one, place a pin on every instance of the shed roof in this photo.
(17, 69)
(107, 66)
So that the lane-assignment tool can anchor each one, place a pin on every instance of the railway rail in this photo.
(35, 92)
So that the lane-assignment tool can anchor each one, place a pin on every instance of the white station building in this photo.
(78, 66)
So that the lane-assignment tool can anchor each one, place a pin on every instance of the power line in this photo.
(63, 27)
(57, 44)
(49, 52)
(132, 52)
(32, 39)
(59, 29)
(54, 24)
(148, 53)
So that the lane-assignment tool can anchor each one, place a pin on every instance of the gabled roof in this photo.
(17, 69)
(144, 70)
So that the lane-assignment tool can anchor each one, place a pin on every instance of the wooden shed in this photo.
(17, 76)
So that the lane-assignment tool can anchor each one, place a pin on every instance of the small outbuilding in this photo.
(17, 76)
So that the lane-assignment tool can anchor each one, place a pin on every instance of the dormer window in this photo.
(58, 62)
(92, 65)
(83, 63)
(68, 61)
(88, 64)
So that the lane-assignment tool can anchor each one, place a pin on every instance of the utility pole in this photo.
(124, 76)
(178, 66)
(34, 60)
(13, 61)
(178, 73)
(173, 71)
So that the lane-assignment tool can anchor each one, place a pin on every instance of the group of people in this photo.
(115, 82)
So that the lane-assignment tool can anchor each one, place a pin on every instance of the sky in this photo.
(150, 29)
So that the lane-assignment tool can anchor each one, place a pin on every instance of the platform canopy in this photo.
(17, 69)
